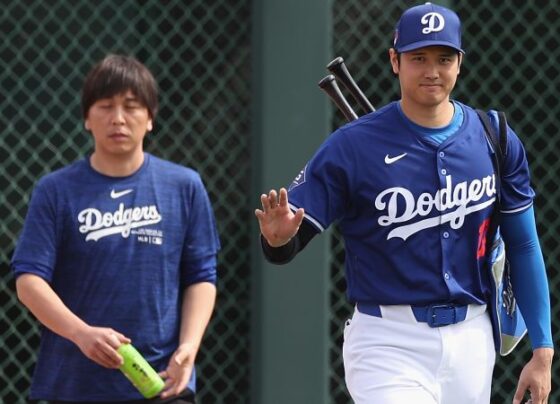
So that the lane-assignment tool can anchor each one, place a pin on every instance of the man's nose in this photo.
(118, 116)
(431, 71)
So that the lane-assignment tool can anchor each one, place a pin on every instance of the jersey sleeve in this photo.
(36, 249)
(199, 258)
(517, 193)
(322, 187)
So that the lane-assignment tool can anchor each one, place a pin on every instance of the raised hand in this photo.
(277, 222)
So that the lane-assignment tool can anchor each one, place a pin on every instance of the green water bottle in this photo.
(139, 372)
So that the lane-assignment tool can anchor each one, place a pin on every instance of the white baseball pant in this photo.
(395, 359)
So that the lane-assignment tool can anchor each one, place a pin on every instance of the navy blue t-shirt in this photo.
(119, 252)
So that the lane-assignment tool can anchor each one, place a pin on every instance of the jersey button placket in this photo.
(445, 242)
(442, 170)
(445, 235)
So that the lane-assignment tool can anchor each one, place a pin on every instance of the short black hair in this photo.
(117, 74)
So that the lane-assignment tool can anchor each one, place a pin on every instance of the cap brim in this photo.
(423, 44)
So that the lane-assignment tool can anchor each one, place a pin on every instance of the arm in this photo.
(285, 253)
(97, 343)
(531, 291)
(528, 274)
(196, 310)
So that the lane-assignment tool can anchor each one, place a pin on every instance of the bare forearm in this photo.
(197, 308)
(37, 295)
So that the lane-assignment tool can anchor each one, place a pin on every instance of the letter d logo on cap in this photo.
(431, 19)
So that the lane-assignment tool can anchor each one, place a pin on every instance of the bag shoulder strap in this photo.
(498, 142)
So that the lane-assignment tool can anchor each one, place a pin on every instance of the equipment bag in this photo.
(507, 321)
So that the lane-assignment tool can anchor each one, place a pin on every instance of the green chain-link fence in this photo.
(199, 50)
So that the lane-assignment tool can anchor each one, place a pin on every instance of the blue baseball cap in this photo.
(427, 25)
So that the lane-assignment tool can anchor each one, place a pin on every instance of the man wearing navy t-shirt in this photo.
(117, 247)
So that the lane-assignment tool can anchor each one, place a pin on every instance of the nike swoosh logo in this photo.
(115, 194)
(391, 160)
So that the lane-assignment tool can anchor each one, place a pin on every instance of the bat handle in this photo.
(329, 86)
(339, 69)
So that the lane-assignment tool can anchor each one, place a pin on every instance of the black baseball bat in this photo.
(339, 69)
(329, 86)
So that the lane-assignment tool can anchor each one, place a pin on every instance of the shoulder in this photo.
(491, 113)
(170, 171)
(70, 173)
(512, 138)
(378, 122)
(170, 167)
(383, 116)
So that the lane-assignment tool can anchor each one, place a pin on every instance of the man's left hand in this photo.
(536, 377)
(178, 371)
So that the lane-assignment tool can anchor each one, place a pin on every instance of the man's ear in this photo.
(394, 58)
(86, 124)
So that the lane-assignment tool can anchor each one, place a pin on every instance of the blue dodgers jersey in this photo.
(413, 214)
(118, 252)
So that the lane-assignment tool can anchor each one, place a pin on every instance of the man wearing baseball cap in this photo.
(413, 188)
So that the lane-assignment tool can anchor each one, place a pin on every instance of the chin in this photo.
(120, 151)
(434, 101)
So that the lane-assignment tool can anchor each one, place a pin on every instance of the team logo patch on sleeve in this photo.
(300, 179)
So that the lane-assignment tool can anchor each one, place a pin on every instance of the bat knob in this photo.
(326, 80)
(337, 61)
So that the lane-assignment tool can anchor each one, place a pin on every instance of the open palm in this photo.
(277, 222)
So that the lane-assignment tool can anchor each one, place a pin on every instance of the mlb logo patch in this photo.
(300, 179)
